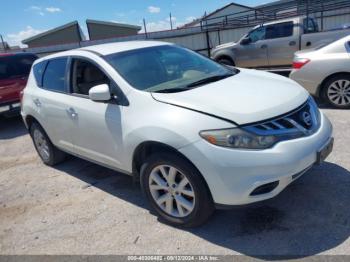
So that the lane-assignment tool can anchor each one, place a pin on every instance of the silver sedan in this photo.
(325, 72)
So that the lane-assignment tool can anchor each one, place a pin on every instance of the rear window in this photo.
(16, 66)
(279, 30)
(54, 76)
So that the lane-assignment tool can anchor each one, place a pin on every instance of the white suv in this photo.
(198, 135)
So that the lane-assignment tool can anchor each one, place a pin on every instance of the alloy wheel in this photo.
(339, 92)
(172, 191)
(41, 144)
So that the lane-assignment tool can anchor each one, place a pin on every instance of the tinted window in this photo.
(23, 63)
(38, 71)
(310, 26)
(257, 34)
(279, 30)
(15, 66)
(86, 75)
(54, 77)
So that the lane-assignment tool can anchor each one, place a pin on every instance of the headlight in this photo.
(238, 138)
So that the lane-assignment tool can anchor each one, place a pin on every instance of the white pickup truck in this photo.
(272, 45)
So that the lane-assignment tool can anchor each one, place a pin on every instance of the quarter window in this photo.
(86, 75)
(54, 77)
(38, 70)
(279, 30)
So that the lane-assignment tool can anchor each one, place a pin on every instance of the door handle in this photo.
(292, 43)
(72, 112)
(263, 46)
(37, 102)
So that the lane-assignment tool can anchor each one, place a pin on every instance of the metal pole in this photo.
(3, 43)
(144, 25)
(208, 42)
(171, 22)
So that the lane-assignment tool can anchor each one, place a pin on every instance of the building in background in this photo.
(218, 15)
(65, 34)
(103, 30)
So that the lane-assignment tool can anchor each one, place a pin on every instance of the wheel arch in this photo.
(29, 120)
(322, 85)
(225, 56)
(147, 148)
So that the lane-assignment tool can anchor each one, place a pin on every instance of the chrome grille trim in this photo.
(303, 121)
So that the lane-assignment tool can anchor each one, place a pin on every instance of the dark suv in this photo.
(14, 71)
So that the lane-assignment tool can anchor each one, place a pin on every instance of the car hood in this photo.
(250, 96)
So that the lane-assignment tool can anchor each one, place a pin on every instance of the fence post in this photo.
(208, 42)
(219, 37)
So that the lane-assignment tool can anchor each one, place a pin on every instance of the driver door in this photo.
(253, 54)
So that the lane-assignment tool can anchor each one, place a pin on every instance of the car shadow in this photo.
(12, 127)
(311, 216)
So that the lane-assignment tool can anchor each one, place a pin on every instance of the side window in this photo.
(54, 76)
(85, 75)
(257, 34)
(23, 63)
(310, 26)
(279, 30)
(6, 69)
(38, 70)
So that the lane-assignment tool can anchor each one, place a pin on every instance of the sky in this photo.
(20, 19)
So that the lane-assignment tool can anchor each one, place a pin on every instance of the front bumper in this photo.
(232, 175)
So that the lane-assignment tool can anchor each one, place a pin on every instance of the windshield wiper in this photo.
(173, 90)
(209, 79)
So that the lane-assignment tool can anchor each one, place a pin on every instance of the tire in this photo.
(226, 61)
(336, 91)
(198, 208)
(48, 153)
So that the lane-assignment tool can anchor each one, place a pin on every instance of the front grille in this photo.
(303, 121)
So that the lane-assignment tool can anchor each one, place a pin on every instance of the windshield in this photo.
(166, 68)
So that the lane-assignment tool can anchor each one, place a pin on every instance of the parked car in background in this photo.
(197, 134)
(272, 45)
(14, 71)
(325, 72)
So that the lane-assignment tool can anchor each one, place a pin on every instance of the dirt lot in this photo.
(81, 208)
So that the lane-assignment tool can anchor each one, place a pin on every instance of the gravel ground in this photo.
(81, 208)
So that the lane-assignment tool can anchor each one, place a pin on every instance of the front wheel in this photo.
(336, 91)
(176, 190)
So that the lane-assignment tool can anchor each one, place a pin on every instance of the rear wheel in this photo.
(336, 91)
(48, 153)
(176, 190)
(226, 61)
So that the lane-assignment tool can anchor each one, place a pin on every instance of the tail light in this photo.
(21, 97)
(300, 62)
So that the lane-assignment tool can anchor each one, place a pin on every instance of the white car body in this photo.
(109, 134)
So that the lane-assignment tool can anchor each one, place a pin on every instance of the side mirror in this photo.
(246, 41)
(100, 93)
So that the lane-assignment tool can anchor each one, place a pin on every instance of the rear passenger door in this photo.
(52, 102)
(283, 42)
